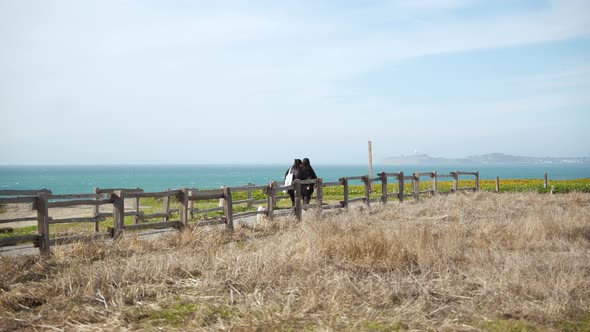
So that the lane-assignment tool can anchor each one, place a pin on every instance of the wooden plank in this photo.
(5, 221)
(155, 225)
(345, 191)
(126, 214)
(79, 238)
(465, 173)
(320, 193)
(332, 184)
(391, 174)
(430, 174)
(199, 211)
(23, 192)
(152, 194)
(79, 202)
(70, 196)
(112, 190)
(155, 215)
(309, 181)
(247, 188)
(69, 220)
(203, 196)
(360, 177)
(9, 200)
(11, 240)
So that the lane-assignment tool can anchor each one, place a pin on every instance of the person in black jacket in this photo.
(296, 171)
(308, 173)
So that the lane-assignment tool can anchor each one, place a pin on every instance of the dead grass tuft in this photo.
(482, 261)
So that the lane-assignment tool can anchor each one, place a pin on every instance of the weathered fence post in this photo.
(270, 199)
(497, 184)
(416, 185)
(118, 197)
(166, 206)
(221, 200)
(96, 209)
(367, 182)
(136, 208)
(455, 175)
(249, 195)
(228, 208)
(476, 181)
(191, 205)
(319, 193)
(43, 223)
(297, 189)
(344, 182)
(383, 177)
(183, 210)
(400, 179)
(545, 181)
(434, 183)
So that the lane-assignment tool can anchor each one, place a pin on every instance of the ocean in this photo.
(83, 179)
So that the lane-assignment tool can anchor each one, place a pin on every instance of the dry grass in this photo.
(459, 262)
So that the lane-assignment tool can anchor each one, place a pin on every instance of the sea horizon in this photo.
(62, 179)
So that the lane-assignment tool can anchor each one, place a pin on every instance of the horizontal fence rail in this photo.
(43, 200)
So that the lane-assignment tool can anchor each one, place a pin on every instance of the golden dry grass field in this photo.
(467, 262)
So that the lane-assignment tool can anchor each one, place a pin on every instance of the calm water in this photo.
(83, 179)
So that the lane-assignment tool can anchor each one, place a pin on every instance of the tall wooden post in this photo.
(545, 181)
(370, 166)
(455, 180)
(96, 209)
(383, 177)
(191, 205)
(400, 179)
(344, 182)
(270, 199)
(183, 210)
(136, 208)
(319, 193)
(298, 206)
(118, 197)
(416, 185)
(476, 181)
(367, 181)
(249, 194)
(434, 183)
(43, 223)
(166, 206)
(228, 208)
(497, 184)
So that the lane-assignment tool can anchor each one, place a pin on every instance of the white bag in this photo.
(289, 179)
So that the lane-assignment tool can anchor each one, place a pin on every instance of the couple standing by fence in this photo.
(300, 170)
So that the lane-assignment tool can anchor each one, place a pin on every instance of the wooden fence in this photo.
(43, 200)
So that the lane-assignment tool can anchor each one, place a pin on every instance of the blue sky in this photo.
(119, 82)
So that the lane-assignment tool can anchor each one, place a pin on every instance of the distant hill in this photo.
(490, 158)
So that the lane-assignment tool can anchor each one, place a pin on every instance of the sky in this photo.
(263, 82)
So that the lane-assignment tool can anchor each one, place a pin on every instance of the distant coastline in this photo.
(486, 159)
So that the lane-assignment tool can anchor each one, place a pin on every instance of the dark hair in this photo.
(297, 162)
(306, 161)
